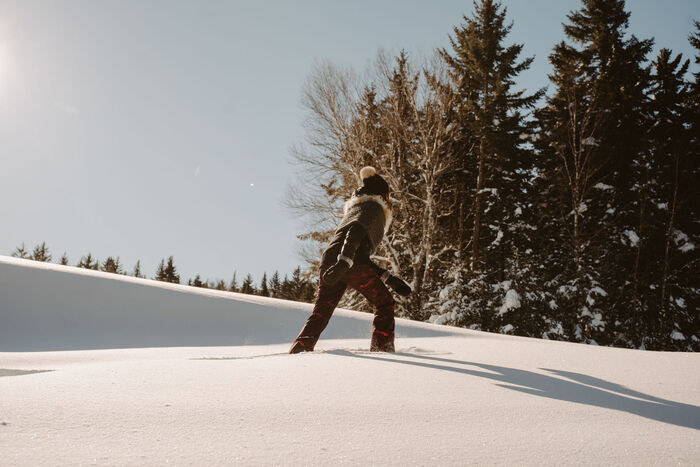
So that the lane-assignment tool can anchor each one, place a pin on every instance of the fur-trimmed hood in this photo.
(357, 199)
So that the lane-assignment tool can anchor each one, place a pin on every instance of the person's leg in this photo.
(326, 301)
(364, 279)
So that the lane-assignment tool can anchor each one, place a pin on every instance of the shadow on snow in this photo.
(578, 388)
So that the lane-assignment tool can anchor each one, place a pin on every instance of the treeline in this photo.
(568, 215)
(297, 287)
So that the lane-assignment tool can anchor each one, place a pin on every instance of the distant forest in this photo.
(297, 287)
(570, 214)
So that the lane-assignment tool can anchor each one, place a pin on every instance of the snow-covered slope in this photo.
(106, 370)
(46, 306)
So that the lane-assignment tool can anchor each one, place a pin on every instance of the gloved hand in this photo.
(399, 286)
(336, 272)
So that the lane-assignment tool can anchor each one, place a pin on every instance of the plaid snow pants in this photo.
(364, 279)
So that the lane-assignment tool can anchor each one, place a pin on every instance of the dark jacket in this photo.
(365, 221)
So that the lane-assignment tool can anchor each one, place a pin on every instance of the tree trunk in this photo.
(475, 266)
(667, 252)
(637, 259)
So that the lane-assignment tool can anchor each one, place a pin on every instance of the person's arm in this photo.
(378, 269)
(354, 236)
(395, 282)
(356, 233)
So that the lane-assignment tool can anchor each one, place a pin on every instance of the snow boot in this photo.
(298, 346)
(382, 342)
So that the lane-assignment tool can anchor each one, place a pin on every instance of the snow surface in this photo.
(99, 369)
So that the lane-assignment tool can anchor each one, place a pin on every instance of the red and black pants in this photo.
(363, 278)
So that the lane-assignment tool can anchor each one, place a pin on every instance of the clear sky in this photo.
(144, 129)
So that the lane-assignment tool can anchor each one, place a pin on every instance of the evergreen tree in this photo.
(496, 166)
(197, 282)
(41, 253)
(21, 252)
(64, 259)
(670, 191)
(298, 288)
(220, 285)
(233, 287)
(275, 285)
(483, 72)
(160, 272)
(112, 265)
(247, 287)
(285, 289)
(689, 268)
(263, 290)
(170, 272)
(590, 199)
(137, 270)
(88, 262)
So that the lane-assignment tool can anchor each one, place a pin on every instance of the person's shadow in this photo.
(579, 388)
(4, 372)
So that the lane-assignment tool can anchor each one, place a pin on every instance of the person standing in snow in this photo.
(346, 262)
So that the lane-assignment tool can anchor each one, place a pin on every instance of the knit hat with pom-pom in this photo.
(372, 183)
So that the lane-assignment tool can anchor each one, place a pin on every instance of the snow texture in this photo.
(101, 369)
(632, 237)
(511, 301)
(590, 141)
(497, 240)
(677, 336)
(682, 241)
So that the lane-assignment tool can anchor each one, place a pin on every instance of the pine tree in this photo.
(670, 186)
(88, 262)
(298, 288)
(160, 272)
(137, 270)
(275, 285)
(21, 252)
(220, 285)
(64, 259)
(689, 267)
(112, 265)
(496, 167)
(41, 253)
(197, 282)
(483, 72)
(170, 272)
(263, 290)
(590, 144)
(233, 287)
(285, 289)
(247, 287)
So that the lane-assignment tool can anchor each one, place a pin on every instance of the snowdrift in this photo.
(46, 306)
(100, 369)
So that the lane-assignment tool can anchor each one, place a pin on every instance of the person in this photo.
(346, 263)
